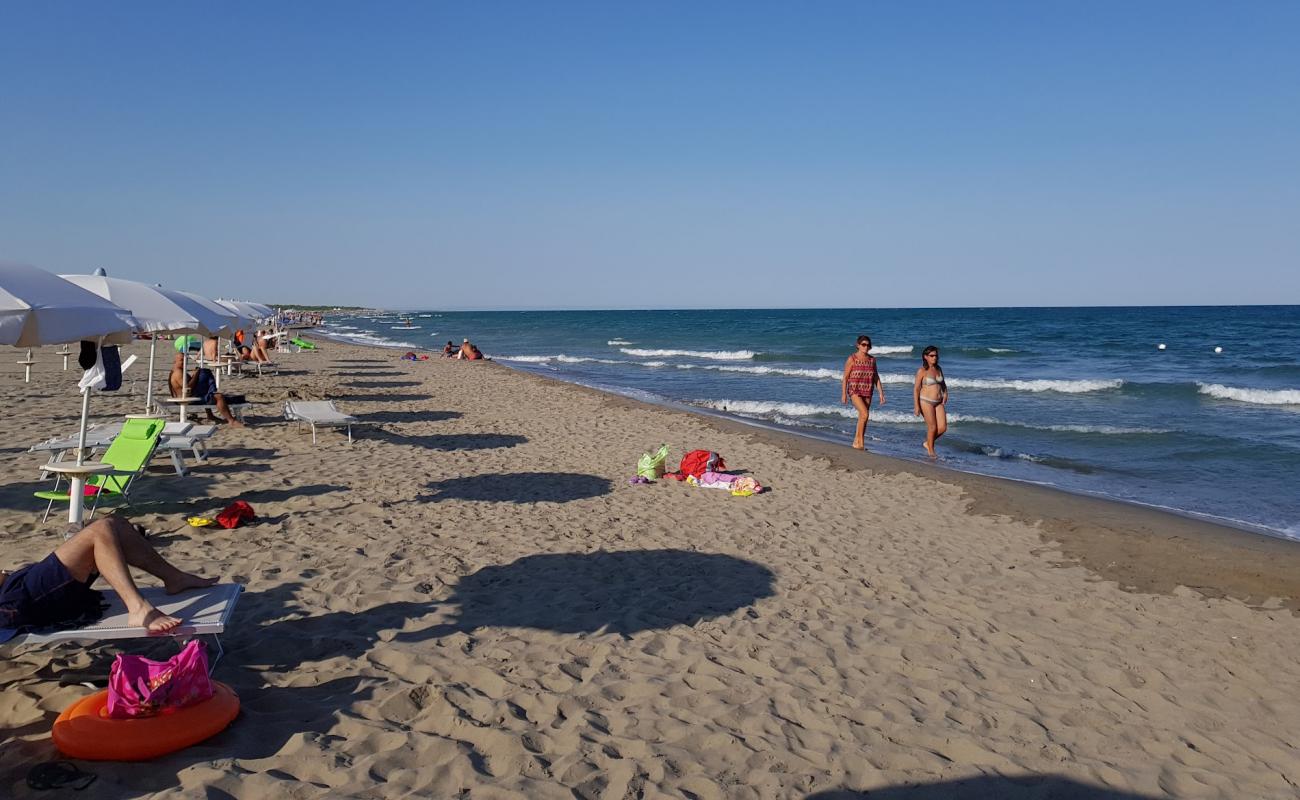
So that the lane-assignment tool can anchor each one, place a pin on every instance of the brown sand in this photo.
(471, 601)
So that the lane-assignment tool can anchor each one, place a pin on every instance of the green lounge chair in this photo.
(302, 344)
(129, 454)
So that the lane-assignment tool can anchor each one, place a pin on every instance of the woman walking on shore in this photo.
(930, 394)
(860, 379)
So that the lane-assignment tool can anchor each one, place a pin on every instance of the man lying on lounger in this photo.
(55, 592)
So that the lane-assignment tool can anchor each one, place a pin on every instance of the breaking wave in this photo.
(717, 355)
(561, 358)
(795, 410)
(1263, 397)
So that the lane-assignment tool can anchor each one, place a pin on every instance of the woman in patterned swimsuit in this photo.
(860, 379)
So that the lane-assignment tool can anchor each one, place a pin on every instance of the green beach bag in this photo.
(652, 466)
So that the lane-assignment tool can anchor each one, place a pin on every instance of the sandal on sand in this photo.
(57, 775)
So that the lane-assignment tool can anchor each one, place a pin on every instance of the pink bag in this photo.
(138, 687)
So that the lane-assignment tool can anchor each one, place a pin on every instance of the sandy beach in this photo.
(471, 601)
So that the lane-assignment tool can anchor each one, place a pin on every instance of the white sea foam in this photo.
(617, 342)
(561, 358)
(763, 407)
(792, 410)
(791, 371)
(654, 363)
(891, 349)
(717, 355)
(1042, 385)
(1263, 397)
(1063, 386)
(1001, 350)
(371, 339)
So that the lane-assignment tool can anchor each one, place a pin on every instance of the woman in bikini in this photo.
(860, 379)
(930, 394)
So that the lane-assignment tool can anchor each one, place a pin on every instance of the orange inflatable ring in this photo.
(82, 730)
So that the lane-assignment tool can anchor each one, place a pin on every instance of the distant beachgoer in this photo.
(475, 354)
(930, 393)
(449, 351)
(55, 592)
(860, 379)
(466, 349)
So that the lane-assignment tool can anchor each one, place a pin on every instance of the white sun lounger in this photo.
(322, 413)
(176, 438)
(204, 612)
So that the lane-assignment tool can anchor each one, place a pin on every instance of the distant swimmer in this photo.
(930, 397)
(860, 379)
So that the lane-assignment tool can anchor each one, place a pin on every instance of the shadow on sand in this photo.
(380, 384)
(519, 487)
(450, 441)
(986, 787)
(617, 592)
(408, 416)
(381, 398)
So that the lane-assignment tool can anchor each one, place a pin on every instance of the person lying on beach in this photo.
(202, 385)
(55, 592)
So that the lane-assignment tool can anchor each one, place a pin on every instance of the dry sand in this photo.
(471, 601)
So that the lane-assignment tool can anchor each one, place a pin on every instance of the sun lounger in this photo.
(176, 438)
(260, 367)
(319, 413)
(204, 612)
(129, 454)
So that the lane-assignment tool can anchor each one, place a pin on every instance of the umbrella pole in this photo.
(148, 386)
(77, 480)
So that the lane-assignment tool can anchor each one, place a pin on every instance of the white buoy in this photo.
(1160, 346)
(1218, 349)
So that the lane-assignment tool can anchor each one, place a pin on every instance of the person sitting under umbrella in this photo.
(202, 384)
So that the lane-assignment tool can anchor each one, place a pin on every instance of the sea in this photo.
(1195, 410)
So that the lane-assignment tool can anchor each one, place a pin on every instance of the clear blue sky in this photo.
(665, 154)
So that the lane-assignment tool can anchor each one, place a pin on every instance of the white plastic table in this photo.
(182, 402)
(77, 477)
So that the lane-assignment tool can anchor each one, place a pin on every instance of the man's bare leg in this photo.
(223, 408)
(108, 546)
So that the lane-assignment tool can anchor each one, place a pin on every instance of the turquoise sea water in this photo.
(1079, 398)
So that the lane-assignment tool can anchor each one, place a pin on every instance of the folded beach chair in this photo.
(129, 454)
(322, 413)
(204, 612)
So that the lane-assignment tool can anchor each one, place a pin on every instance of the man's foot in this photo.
(858, 446)
(152, 620)
(234, 423)
(929, 451)
(187, 581)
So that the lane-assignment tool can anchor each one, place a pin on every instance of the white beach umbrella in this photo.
(38, 307)
(263, 310)
(216, 319)
(244, 315)
(154, 309)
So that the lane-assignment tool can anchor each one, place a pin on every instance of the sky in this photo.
(659, 154)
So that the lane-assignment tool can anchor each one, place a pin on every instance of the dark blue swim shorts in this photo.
(45, 595)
